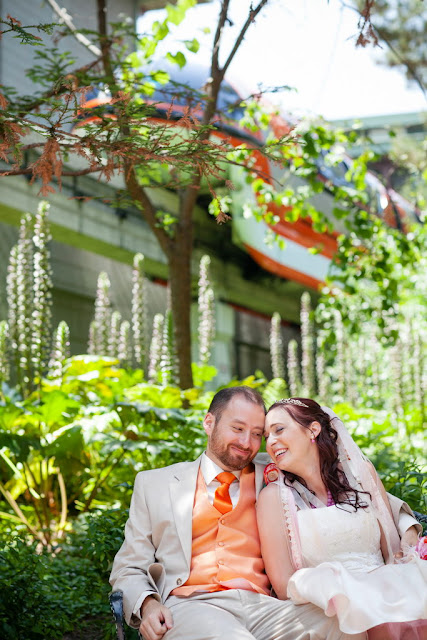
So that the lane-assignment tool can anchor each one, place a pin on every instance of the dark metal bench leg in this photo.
(116, 604)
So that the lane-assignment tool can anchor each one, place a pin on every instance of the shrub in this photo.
(46, 595)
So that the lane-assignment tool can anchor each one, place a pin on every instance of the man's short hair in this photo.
(224, 396)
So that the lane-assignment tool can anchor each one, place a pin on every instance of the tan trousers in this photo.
(245, 615)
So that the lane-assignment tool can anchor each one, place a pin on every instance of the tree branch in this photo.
(22, 171)
(105, 44)
(139, 194)
(136, 191)
(405, 63)
(251, 18)
(190, 196)
(217, 37)
(64, 16)
(383, 38)
(56, 90)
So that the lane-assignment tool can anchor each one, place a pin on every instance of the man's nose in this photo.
(245, 439)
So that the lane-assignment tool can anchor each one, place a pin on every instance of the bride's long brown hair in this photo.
(332, 474)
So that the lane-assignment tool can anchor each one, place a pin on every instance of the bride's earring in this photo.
(313, 438)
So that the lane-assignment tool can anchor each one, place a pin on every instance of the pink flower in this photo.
(421, 548)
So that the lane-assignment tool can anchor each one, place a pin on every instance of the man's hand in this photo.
(156, 619)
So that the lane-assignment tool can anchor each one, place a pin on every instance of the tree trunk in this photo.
(179, 259)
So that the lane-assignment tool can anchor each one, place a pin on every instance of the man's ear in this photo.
(209, 423)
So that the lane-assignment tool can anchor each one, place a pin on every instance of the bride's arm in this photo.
(274, 539)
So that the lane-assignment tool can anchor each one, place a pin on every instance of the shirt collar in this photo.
(210, 469)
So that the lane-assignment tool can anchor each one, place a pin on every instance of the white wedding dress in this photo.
(346, 576)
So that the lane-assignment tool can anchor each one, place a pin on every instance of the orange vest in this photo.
(226, 550)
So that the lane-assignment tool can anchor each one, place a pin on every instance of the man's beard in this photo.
(226, 456)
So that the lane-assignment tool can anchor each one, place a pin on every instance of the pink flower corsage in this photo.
(271, 473)
(421, 548)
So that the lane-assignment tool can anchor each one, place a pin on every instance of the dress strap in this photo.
(291, 522)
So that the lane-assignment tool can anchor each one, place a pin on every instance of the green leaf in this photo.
(54, 405)
(176, 14)
(68, 442)
(160, 30)
(177, 58)
(192, 45)
(162, 77)
(18, 445)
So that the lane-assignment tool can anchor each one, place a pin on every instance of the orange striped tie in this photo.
(222, 500)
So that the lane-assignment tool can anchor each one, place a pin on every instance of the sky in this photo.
(310, 46)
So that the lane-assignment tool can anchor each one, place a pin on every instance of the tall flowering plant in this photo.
(276, 347)
(307, 345)
(155, 353)
(42, 310)
(206, 306)
(139, 312)
(60, 351)
(100, 328)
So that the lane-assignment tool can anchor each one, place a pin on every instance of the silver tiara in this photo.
(293, 401)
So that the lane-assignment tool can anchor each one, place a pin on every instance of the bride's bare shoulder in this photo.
(270, 496)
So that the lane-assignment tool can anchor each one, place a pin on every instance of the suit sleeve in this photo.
(133, 565)
(402, 515)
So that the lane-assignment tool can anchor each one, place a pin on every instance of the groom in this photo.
(190, 567)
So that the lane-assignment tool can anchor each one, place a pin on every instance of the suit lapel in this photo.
(182, 490)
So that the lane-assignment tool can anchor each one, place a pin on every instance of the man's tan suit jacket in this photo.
(156, 554)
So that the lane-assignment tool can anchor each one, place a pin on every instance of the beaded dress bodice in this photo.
(340, 534)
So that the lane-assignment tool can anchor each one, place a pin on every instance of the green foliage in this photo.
(397, 454)
(45, 595)
(79, 442)
(203, 373)
(99, 537)
(274, 390)
(23, 33)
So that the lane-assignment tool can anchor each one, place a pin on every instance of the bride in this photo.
(326, 530)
